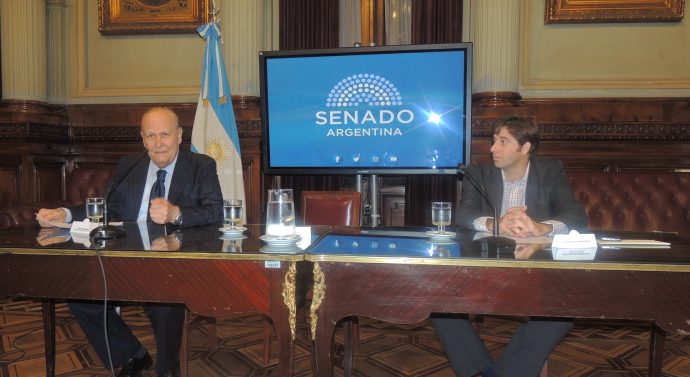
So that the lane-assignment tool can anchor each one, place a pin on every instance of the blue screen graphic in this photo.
(367, 111)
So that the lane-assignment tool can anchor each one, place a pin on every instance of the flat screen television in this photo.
(366, 110)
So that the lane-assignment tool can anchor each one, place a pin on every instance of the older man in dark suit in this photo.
(535, 199)
(168, 186)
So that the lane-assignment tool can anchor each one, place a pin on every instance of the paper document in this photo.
(635, 244)
(305, 233)
(45, 223)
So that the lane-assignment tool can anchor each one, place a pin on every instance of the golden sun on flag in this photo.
(218, 149)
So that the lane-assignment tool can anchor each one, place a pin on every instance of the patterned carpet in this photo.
(385, 349)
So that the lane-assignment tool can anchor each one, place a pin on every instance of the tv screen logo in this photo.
(372, 96)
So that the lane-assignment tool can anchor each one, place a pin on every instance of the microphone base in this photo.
(107, 232)
(501, 244)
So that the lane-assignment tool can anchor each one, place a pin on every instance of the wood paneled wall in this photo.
(586, 134)
(40, 144)
(37, 151)
(602, 134)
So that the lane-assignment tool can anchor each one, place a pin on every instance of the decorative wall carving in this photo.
(613, 131)
(33, 132)
(617, 131)
(249, 128)
(108, 135)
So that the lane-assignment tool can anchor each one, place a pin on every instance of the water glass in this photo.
(280, 214)
(232, 211)
(232, 246)
(95, 208)
(439, 251)
(440, 215)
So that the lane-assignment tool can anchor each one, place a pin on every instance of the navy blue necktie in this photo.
(158, 189)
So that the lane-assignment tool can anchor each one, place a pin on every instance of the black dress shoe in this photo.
(136, 366)
(174, 372)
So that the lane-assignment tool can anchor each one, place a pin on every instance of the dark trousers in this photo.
(524, 356)
(167, 322)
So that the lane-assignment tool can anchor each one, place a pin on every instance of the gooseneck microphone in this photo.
(500, 243)
(109, 232)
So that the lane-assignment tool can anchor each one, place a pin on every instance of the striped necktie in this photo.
(158, 189)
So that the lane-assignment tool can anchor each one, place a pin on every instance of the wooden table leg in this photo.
(656, 351)
(323, 349)
(351, 346)
(348, 346)
(48, 308)
(285, 344)
(184, 344)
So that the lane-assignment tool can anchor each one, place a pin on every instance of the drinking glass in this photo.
(94, 209)
(439, 251)
(440, 215)
(232, 246)
(232, 211)
(280, 214)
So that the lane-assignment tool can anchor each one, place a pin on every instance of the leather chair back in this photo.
(87, 183)
(82, 183)
(634, 201)
(331, 208)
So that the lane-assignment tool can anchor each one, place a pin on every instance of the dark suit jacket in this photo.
(548, 195)
(194, 188)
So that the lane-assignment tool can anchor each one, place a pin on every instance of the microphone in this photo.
(500, 243)
(109, 232)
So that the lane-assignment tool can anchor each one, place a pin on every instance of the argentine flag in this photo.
(215, 131)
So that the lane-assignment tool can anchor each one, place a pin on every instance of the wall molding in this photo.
(80, 86)
(607, 131)
(106, 123)
(33, 132)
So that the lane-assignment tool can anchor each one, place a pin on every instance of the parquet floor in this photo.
(385, 350)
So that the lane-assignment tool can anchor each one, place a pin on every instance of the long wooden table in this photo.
(645, 285)
(212, 277)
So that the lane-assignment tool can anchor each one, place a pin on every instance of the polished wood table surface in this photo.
(404, 277)
(210, 275)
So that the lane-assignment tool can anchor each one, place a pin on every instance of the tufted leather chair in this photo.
(86, 183)
(81, 183)
(331, 208)
(634, 201)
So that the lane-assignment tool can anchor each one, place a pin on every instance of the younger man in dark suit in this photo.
(169, 186)
(535, 199)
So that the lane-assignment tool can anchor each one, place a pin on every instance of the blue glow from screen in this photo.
(365, 245)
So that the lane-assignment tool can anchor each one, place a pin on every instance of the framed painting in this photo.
(123, 17)
(591, 11)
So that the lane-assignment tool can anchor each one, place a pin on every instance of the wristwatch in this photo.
(178, 237)
(178, 219)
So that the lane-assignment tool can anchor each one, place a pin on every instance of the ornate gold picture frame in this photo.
(123, 17)
(590, 11)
